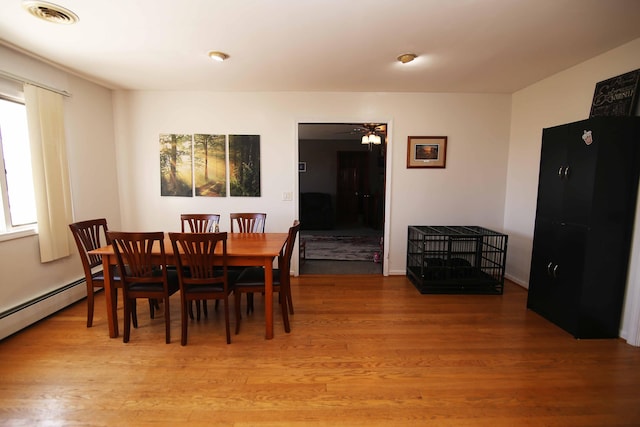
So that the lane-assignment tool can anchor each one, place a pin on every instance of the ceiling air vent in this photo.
(50, 12)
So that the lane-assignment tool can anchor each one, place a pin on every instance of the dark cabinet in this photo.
(584, 222)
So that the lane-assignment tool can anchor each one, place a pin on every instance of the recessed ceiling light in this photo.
(50, 12)
(407, 57)
(218, 56)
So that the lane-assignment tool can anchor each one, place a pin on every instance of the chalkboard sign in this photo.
(616, 96)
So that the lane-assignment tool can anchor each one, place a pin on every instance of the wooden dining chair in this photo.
(144, 274)
(248, 222)
(202, 273)
(88, 236)
(252, 279)
(199, 223)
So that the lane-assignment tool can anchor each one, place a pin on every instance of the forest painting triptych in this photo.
(198, 165)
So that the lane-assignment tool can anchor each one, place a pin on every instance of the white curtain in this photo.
(50, 171)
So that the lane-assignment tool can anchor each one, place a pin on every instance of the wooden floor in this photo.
(363, 351)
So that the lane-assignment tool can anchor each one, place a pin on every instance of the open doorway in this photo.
(341, 200)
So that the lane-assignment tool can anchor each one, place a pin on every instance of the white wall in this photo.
(91, 157)
(469, 191)
(563, 98)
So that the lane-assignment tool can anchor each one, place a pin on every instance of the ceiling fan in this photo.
(373, 133)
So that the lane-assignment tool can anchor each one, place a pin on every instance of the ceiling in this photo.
(497, 46)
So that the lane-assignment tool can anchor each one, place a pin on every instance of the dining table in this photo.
(243, 249)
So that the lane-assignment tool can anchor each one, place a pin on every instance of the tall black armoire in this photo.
(587, 192)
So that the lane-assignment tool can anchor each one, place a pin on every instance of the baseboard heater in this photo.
(30, 312)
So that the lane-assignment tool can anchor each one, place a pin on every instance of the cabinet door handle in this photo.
(563, 172)
(555, 272)
(549, 268)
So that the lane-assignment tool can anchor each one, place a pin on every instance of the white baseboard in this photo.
(517, 281)
(41, 308)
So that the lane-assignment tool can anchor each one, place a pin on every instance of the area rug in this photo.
(342, 248)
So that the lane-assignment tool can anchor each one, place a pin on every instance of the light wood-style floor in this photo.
(363, 351)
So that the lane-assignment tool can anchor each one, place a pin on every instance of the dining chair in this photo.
(202, 273)
(88, 236)
(248, 222)
(144, 274)
(252, 280)
(199, 223)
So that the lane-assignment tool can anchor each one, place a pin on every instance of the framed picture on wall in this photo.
(175, 165)
(427, 152)
(617, 96)
(244, 165)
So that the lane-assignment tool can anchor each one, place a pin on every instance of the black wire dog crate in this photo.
(456, 259)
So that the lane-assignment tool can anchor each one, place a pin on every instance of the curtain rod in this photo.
(31, 82)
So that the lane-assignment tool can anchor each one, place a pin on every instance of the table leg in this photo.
(268, 297)
(109, 290)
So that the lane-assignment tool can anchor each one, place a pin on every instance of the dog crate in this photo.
(456, 259)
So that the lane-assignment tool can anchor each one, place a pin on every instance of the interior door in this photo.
(352, 186)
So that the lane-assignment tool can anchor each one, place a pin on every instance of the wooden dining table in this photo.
(243, 249)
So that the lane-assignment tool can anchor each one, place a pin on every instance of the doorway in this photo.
(341, 186)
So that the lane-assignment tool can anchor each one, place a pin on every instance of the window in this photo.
(17, 195)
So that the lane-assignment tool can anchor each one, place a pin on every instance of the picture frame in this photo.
(427, 152)
(617, 96)
(302, 166)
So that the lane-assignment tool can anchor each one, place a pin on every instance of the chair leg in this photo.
(204, 309)
(197, 309)
(190, 309)
(236, 299)
(287, 291)
(134, 313)
(167, 320)
(185, 307)
(114, 307)
(127, 320)
(289, 302)
(151, 309)
(249, 302)
(285, 314)
(89, 305)
(226, 318)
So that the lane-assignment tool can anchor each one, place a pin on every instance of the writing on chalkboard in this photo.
(616, 96)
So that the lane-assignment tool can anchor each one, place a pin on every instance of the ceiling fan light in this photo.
(407, 57)
(365, 139)
(218, 56)
(375, 139)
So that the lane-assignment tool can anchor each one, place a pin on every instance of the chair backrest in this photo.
(138, 262)
(248, 222)
(88, 236)
(284, 261)
(198, 253)
(199, 223)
